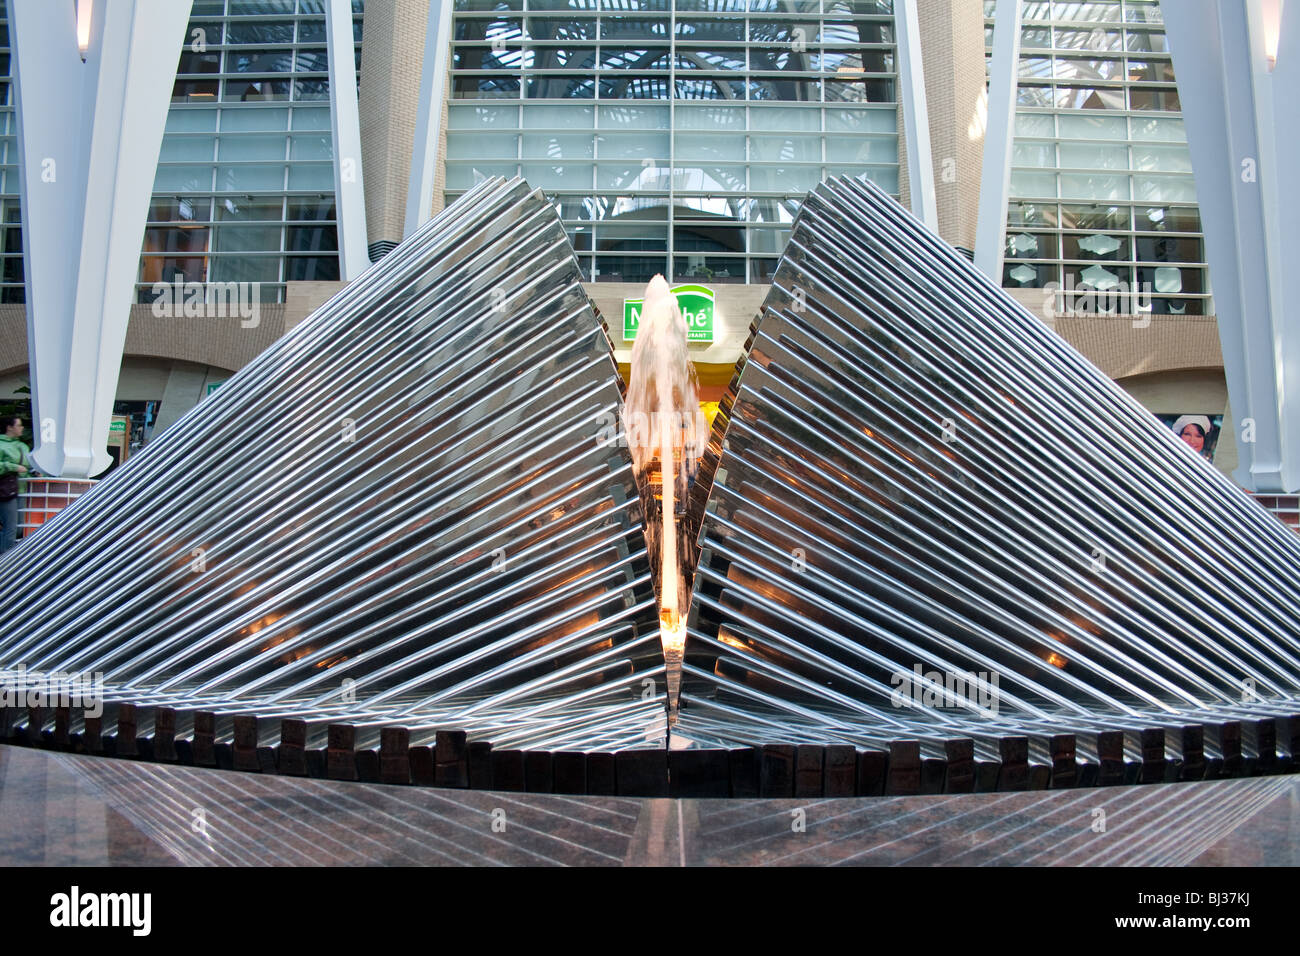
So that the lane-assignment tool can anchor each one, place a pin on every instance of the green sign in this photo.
(117, 426)
(696, 303)
(212, 387)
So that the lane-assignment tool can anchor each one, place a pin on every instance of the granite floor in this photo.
(64, 810)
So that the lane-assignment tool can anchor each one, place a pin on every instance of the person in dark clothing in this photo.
(13, 465)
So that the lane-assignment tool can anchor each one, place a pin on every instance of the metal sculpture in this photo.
(925, 518)
(405, 512)
(937, 549)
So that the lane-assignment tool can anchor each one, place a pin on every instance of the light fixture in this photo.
(1272, 15)
(83, 27)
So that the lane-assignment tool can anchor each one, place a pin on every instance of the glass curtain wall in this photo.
(11, 226)
(678, 132)
(1102, 194)
(245, 184)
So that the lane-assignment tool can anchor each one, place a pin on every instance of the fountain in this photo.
(665, 427)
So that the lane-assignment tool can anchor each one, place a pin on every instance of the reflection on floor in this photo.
(59, 809)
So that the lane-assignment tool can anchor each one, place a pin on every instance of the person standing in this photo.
(13, 458)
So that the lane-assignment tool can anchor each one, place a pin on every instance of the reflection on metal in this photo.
(405, 512)
(929, 518)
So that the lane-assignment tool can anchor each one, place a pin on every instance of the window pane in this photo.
(536, 116)
(194, 91)
(254, 91)
(261, 61)
(1093, 156)
(311, 147)
(311, 209)
(250, 178)
(311, 117)
(311, 238)
(1154, 99)
(1089, 68)
(854, 149)
(1169, 249)
(555, 146)
(170, 179)
(180, 149)
(1095, 246)
(1159, 129)
(1035, 124)
(1164, 159)
(810, 90)
(616, 268)
(234, 119)
(1167, 218)
(784, 178)
(1164, 188)
(1022, 275)
(728, 118)
(568, 176)
(1095, 217)
(178, 210)
(712, 177)
(1093, 127)
(871, 120)
(1093, 186)
(647, 145)
(238, 148)
(245, 269)
(481, 146)
(259, 31)
(634, 117)
(464, 177)
(1089, 39)
(311, 268)
(711, 269)
(1089, 98)
(1033, 184)
(194, 120)
(805, 149)
(249, 208)
(247, 239)
(1034, 154)
(1031, 214)
(316, 177)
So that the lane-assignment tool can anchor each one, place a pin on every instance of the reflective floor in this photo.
(64, 810)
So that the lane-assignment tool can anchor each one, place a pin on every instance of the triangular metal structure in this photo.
(406, 512)
(925, 517)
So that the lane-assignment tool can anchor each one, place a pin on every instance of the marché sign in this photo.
(696, 303)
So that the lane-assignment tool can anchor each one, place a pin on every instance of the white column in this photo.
(999, 137)
(345, 123)
(428, 118)
(89, 133)
(916, 122)
(1243, 130)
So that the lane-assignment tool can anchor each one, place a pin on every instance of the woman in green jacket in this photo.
(13, 465)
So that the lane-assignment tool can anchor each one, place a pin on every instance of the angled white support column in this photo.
(89, 132)
(1243, 130)
(428, 119)
(916, 122)
(345, 124)
(999, 138)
